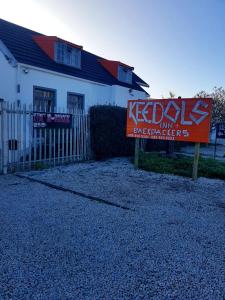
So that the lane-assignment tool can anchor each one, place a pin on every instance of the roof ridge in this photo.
(38, 33)
(3, 20)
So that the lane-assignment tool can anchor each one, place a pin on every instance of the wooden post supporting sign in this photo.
(136, 153)
(195, 163)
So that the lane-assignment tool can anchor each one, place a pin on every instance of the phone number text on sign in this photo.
(170, 119)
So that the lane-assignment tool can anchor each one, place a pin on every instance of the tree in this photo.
(171, 94)
(218, 111)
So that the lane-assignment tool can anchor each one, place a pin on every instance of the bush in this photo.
(181, 166)
(108, 132)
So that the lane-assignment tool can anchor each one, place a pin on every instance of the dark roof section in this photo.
(21, 44)
(140, 81)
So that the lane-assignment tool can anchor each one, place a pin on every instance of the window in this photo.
(125, 74)
(44, 99)
(75, 102)
(67, 55)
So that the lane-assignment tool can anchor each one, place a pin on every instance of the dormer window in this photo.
(67, 55)
(125, 74)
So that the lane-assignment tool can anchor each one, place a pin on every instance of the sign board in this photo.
(220, 130)
(52, 120)
(170, 119)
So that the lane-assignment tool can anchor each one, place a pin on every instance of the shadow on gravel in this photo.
(60, 188)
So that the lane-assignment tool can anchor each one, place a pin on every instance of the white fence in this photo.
(28, 142)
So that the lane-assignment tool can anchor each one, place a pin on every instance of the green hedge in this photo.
(108, 132)
(181, 165)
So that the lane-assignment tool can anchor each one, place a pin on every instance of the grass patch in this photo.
(182, 165)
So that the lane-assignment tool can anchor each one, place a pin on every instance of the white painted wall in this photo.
(95, 93)
(121, 95)
(7, 80)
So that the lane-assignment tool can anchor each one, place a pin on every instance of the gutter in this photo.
(26, 66)
(143, 84)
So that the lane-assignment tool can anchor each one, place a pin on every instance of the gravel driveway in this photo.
(168, 244)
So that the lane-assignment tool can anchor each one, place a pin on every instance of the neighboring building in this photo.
(50, 72)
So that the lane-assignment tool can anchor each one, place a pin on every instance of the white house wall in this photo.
(94, 93)
(7, 80)
(122, 94)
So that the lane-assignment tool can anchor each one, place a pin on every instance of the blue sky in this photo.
(174, 45)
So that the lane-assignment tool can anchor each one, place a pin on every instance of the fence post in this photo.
(16, 124)
(5, 144)
(89, 144)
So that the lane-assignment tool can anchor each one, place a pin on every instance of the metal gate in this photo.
(34, 140)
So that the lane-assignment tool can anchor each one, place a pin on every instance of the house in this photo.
(49, 73)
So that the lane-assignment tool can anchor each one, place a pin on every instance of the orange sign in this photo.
(170, 119)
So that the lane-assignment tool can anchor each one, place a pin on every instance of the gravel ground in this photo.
(56, 245)
(116, 180)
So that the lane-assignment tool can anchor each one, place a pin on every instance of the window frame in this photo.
(64, 58)
(75, 94)
(46, 89)
(127, 70)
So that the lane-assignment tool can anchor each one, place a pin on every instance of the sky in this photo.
(174, 45)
